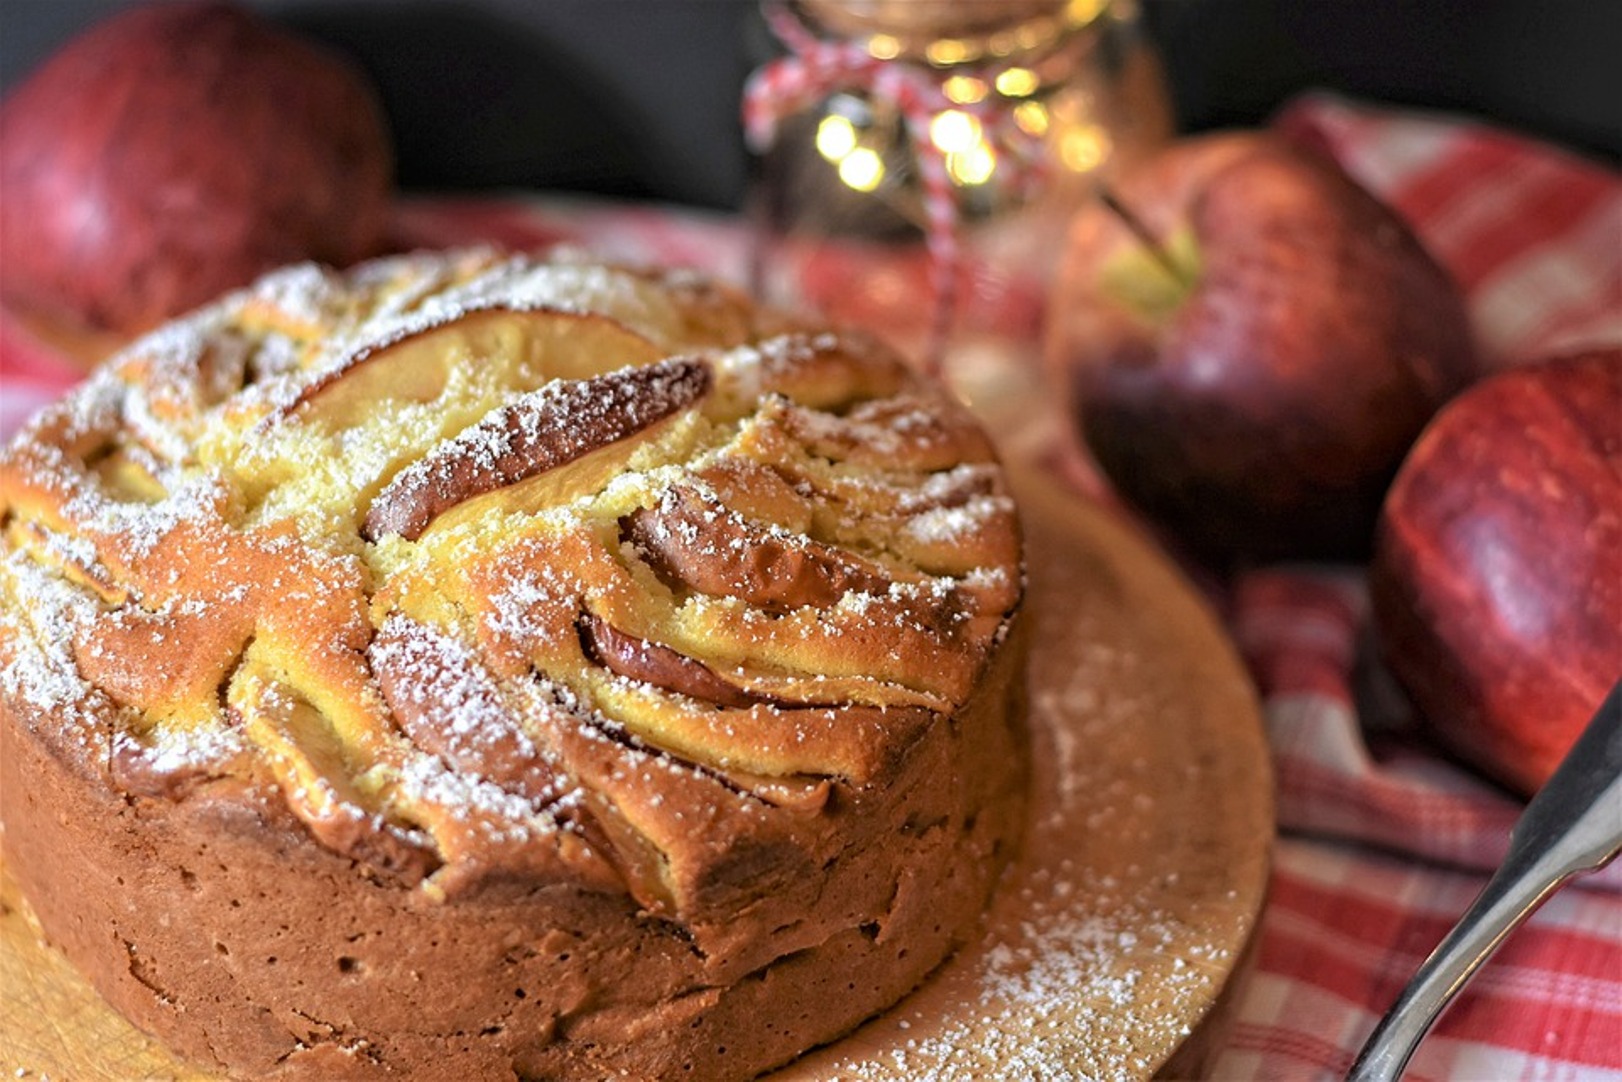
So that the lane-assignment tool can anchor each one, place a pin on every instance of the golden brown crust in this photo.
(468, 624)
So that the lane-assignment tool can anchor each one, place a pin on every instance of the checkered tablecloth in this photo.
(1383, 841)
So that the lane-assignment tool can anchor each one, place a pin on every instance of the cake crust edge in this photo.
(284, 959)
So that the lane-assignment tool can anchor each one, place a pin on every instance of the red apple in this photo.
(1497, 577)
(179, 150)
(1251, 342)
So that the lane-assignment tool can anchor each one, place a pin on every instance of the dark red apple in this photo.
(179, 150)
(1497, 577)
(1251, 342)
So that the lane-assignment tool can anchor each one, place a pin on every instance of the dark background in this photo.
(639, 97)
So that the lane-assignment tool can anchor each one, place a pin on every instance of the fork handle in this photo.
(1573, 825)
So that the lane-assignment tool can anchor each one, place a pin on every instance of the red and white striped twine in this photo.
(815, 69)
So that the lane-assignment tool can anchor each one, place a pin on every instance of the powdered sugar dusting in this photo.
(38, 629)
(306, 293)
(946, 525)
(174, 750)
(440, 673)
(501, 815)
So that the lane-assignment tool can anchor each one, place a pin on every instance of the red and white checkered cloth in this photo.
(1384, 842)
(1534, 237)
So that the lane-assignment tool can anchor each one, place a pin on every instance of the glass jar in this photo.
(1028, 104)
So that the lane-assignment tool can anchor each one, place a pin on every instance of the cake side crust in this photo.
(216, 923)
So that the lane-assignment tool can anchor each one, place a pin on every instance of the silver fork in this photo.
(1572, 826)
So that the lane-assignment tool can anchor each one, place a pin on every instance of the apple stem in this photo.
(1145, 236)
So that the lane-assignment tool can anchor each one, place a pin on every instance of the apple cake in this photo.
(478, 666)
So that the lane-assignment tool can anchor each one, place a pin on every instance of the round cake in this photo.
(475, 666)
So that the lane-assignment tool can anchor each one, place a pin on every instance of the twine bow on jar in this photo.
(817, 67)
(987, 108)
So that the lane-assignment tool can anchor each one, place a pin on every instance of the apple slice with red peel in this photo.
(527, 347)
(766, 738)
(750, 737)
(663, 667)
(691, 541)
(900, 431)
(651, 663)
(449, 704)
(821, 370)
(561, 423)
(318, 771)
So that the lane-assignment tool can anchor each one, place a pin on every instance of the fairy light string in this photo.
(816, 68)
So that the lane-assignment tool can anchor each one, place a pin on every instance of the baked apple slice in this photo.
(692, 541)
(130, 475)
(651, 663)
(504, 346)
(449, 704)
(899, 431)
(820, 370)
(554, 426)
(761, 736)
(79, 564)
(326, 780)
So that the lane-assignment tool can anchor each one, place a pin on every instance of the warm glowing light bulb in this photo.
(883, 47)
(965, 89)
(1016, 82)
(836, 137)
(1082, 12)
(947, 51)
(973, 166)
(1032, 117)
(862, 169)
(1084, 148)
(954, 131)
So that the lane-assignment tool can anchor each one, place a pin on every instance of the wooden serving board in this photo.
(1111, 941)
